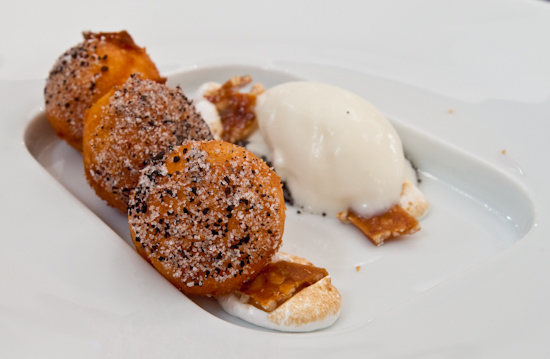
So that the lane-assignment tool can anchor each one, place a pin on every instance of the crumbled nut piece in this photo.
(236, 108)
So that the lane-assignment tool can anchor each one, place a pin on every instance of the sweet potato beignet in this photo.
(130, 125)
(86, 72)
(208, 217)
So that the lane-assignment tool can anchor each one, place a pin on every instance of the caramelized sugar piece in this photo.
(236, 108)
(121, 39)
(393, 223)
(279, 281)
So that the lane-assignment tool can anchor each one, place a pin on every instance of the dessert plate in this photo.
(464, 83)
(476, 212)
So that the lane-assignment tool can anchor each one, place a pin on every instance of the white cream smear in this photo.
(207, 109)
(315, 307)
(334, 150)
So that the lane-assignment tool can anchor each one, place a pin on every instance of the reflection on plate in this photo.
(476, 212)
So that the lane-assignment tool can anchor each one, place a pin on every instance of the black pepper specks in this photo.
(209, 234)
(132, 130)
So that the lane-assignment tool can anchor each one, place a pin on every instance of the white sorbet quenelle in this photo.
(334, 150)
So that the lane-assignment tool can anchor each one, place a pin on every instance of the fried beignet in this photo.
(208, 217)
(130, 125)
(85, 73)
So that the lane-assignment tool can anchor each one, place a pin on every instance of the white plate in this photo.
(476, 211)
(472, 283)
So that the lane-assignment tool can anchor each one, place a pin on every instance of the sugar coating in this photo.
(210, 216)
(85, 73)
(71, 85)
(141, 120)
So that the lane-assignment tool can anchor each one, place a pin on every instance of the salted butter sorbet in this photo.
(334, 150)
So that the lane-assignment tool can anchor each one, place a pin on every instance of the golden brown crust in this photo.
(121, 39)
(208, 216)
(85, 73)
(130, 125)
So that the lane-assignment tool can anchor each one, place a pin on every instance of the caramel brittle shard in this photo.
(236, 108)
(393, 223)
(279, 281)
